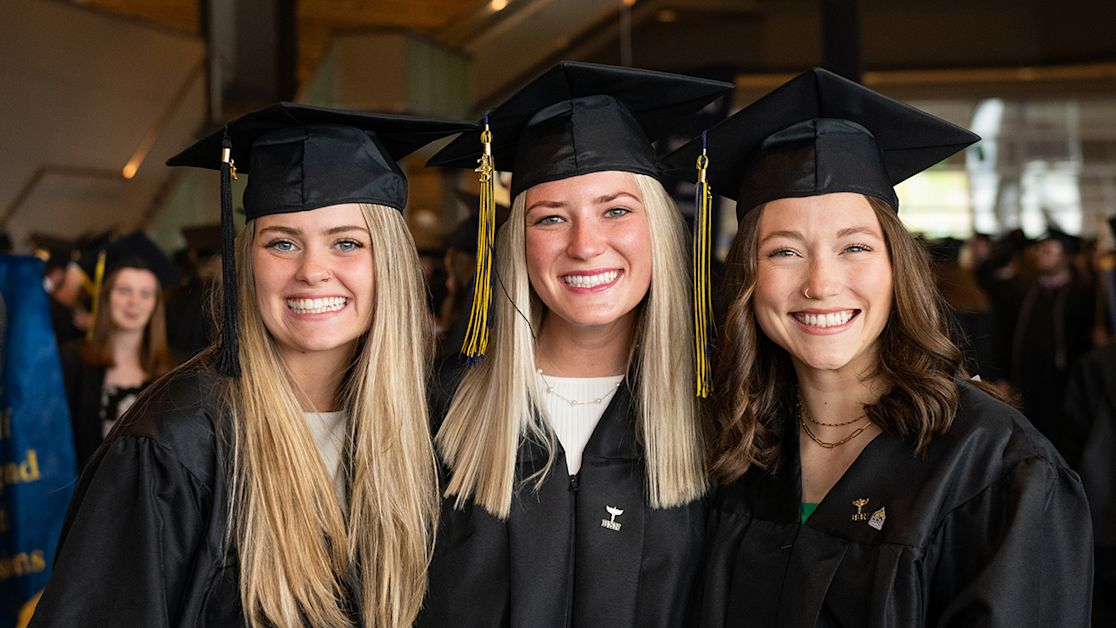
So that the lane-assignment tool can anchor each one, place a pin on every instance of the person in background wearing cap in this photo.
(286, 476)
(1053, 330)
(865, 479)
(126, 348)
(573, 452)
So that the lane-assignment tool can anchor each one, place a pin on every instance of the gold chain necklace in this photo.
(806, 415)
(828, 445)
(596, 401)
(802, 414)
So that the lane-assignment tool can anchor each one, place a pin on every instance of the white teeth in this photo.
(825, 320)
(316, 306)
(590, 281)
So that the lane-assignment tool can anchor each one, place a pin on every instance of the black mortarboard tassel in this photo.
(575, 119)
(301, 158)
(818, 134)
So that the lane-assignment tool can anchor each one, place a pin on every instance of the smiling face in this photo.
(132, 299)
(588, 248)
(314, 279)
(823, 281)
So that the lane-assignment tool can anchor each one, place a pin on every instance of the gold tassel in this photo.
(703, 303)
(476, 336)
(98, 282)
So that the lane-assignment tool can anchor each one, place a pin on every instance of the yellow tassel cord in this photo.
(476, 336)
(703, 303)
(98, 281)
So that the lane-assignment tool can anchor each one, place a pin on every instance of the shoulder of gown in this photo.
(141, 540)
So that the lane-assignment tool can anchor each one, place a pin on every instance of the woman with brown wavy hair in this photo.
(865, 480)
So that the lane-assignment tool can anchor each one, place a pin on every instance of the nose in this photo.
(586, 239)
(822, 279)
(313, 268)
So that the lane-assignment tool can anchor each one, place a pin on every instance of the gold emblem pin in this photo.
(860, 504)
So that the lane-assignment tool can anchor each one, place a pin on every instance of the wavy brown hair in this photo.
(755, 381)
(155, 355)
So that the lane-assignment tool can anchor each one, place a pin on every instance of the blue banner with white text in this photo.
(36, 447)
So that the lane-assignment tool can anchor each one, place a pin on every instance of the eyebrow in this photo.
(600, 200)
(843, 233)
(331, 231)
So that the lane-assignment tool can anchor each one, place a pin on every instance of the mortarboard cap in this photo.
(1070, 244)
(301, 158)
(818, 134)
(134, 250)
(578, 118)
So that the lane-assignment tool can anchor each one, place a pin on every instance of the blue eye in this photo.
(548, 220)
(617, 212)
(283, 246)
(858, 248)
(349, 245)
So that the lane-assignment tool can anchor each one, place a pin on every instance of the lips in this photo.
(590, 280)
(825, 320)
(316, 306)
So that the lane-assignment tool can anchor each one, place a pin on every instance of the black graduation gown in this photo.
(84, 386)
(143, 543)
(990, 528)
(556, 562)
(83, 392)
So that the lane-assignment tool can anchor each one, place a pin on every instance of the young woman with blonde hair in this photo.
(286, 477)
(573, 452)
(865, 479)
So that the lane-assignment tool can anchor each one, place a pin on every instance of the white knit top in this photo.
(329, 430)
(574, 423)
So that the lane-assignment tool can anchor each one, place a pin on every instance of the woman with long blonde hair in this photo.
(286, 477)
(573, 452)
(865, 479)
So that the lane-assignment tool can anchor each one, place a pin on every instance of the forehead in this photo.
(314, 219)
(135, 276)
(818, 215)
(590, 186)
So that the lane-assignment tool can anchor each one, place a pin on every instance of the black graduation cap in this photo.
(302, 158)
(578, 118)
(56, 252)
(134, 250)
(1071, 244)
(817, 134)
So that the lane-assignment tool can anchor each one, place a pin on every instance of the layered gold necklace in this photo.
(805, 419)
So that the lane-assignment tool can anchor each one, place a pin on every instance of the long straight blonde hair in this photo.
(496, 405)
(297, 547)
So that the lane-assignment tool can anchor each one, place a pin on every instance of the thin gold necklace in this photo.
(574, 402)
(806, 415)
(828, 445)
